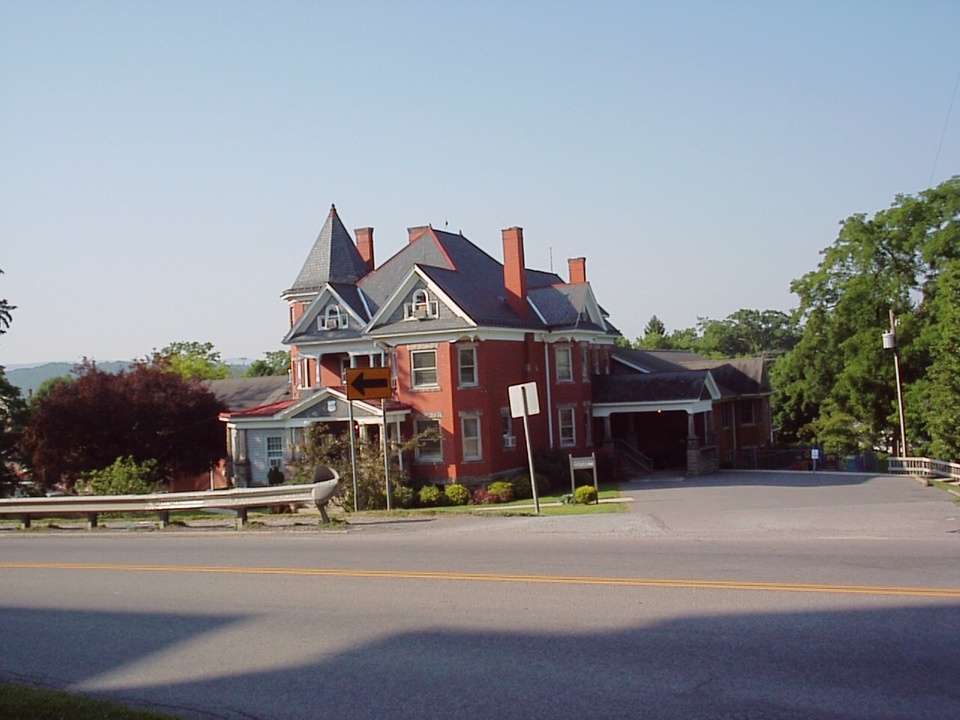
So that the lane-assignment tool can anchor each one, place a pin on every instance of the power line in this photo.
(944, 133)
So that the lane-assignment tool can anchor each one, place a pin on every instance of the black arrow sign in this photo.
(362, 384)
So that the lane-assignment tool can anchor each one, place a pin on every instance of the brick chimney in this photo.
(415, 233)
(365, 245)
(514, 271)
(578, 270)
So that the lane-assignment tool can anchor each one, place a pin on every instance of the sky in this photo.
(165, 167)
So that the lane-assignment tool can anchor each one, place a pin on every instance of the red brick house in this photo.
(457, 328)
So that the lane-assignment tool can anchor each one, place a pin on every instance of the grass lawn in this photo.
(549, 505)
(26, 703)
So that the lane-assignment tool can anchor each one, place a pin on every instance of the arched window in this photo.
(333, 319)
(420, 300)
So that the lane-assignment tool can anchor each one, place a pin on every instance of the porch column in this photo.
(399, 443)
(693, 448)
(607, 430)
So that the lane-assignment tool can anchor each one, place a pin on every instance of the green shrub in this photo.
(522, 489)
(125, 477)
(554, 466)
(429, 495)
(402, 496)
(585, 495)
(457, 494)
(501, 490)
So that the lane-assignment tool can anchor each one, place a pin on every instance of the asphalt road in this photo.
(738, 596)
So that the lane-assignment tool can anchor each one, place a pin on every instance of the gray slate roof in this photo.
(333, 258)
(654, 387)
(245, 393)
(469, 276)
(735, 377)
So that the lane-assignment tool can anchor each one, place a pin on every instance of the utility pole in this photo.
(890, 343)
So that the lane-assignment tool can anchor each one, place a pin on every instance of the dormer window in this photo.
(421, 306)
(333, 318)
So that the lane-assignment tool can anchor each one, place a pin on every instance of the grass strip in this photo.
(29, 703)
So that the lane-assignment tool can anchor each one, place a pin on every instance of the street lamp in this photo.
(890, 343)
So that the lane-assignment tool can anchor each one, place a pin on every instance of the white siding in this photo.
(257, 449)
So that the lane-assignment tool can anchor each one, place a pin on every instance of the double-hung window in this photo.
(423, 365)
(564, 363)
(274, 451)
(467, 362)
(568, 429)
(470, 433)
(429, 448)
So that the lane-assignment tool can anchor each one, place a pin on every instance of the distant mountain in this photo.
(28, 379)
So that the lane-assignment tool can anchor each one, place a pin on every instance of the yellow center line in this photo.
(953, 593)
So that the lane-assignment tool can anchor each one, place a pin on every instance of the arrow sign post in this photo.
(372, 383)
(368, 384)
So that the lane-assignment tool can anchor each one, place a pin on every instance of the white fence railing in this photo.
(925, 467)
(240, 500)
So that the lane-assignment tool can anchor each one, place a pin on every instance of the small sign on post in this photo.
(524, 401)
(584, 463)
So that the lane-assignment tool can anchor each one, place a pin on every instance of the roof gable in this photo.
(346, 297)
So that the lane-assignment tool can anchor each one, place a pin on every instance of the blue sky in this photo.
(165, 167)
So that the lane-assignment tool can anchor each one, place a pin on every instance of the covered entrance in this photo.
(659, 420)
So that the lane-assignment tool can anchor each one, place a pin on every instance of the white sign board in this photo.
(517, 405)
(582, 463)
(815, 454)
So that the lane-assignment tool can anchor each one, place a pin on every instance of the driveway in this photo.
(786, 504)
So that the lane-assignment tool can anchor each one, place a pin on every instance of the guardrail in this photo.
(240, 500)
(925, 467)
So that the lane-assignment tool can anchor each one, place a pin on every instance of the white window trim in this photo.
(274, 455)
(418, 454)
(420, 307)
(564, 442)
(464, 419)
(568, 376)
(472, 349)
(506, 427)
(333, 318)
(414, 385)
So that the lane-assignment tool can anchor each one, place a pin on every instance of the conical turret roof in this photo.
(334, 258)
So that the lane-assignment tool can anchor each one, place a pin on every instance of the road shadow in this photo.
(866, 664)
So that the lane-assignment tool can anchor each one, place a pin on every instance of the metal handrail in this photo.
(239, 500)
(634, 454)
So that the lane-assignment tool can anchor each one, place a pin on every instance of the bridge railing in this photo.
(239, 500)
(925, 467)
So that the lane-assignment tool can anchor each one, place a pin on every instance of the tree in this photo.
(277, 362)
(897, 260)
(745, 333)
(655, 326)
(749, 333)
(943, 416)
(144, 413)
(13, 412)
(13, 416)
(191, 360)
(124, 477)
(6, 313)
